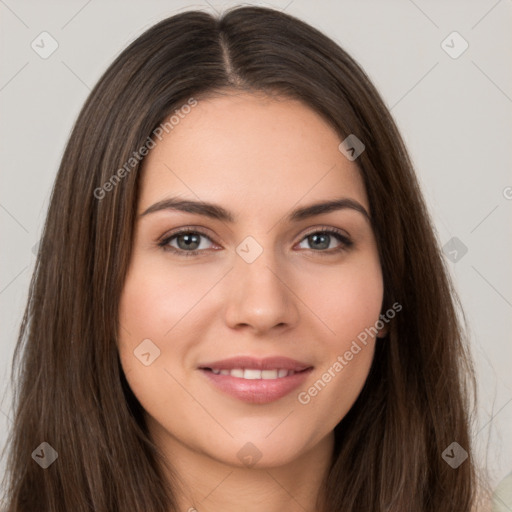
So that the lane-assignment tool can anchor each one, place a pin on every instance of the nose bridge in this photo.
(257, 294)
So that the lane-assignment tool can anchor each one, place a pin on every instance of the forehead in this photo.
(249, 151)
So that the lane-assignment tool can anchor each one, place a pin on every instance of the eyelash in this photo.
(346, 243)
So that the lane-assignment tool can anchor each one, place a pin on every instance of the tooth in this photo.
(252, 374)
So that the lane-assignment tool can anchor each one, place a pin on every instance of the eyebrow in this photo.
(217, 212)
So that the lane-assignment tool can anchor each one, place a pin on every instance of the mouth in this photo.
(251, 374)
(254, 380)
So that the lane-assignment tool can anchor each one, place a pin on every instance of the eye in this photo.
(191, 242)
(186, 242)
(320, 240)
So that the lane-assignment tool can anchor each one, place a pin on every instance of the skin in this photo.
(259, 158)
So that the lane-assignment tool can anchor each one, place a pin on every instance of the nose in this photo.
(260, 296)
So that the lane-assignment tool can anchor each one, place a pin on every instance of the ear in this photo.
(382, 333)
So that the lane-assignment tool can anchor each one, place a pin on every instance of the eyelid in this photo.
(206, 232)
(185, 229)
(321, 228)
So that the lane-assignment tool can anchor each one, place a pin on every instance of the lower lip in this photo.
(257, 391)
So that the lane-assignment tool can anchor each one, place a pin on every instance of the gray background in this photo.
(454, 114)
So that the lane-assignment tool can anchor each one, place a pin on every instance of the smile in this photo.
(251, 374)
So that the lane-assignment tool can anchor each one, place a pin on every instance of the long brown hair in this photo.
(70, 390)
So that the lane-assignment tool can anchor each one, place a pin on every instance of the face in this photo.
(244, 322)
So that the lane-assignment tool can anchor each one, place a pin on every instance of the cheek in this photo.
(347, 299)
(157, 296)
(148, 309)
(153, 301)
(159, 303)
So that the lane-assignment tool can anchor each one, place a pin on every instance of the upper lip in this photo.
(253, 363)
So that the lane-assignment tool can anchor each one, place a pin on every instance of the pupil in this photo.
(319, 241)
(188, 240)
(321, 245)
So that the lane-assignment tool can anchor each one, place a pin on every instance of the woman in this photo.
(239, 300)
